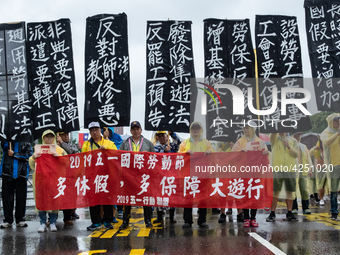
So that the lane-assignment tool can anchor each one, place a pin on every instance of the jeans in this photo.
(42, 216)
(334, 202)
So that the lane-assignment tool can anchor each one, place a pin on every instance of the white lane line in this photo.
(267, 244)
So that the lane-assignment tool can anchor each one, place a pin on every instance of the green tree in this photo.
(319, 122)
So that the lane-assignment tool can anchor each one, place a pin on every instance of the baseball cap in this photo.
(94, 124)
(135, 123)
(160, 132)
(297, 133)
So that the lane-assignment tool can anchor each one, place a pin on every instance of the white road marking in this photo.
(267, 244)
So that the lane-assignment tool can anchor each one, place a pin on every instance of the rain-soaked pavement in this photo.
(313, 234)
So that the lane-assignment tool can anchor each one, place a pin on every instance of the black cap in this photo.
(135, 123)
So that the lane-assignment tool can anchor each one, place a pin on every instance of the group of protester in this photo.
(286, 150)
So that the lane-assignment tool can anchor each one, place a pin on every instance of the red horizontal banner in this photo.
(151, 179)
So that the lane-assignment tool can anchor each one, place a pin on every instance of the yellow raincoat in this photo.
(199, 145)
(281, 156)
(331, 142)
(103, 142)
(242, 142)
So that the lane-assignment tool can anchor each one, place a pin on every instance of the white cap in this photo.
(94, 124)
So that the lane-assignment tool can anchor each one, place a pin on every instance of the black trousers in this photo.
(202, 215)
(107, 214)
(252, 214)
(9, 187)
(127, 213)
(67, 214)
(305, 204)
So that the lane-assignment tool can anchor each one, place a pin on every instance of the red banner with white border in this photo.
(217, 180)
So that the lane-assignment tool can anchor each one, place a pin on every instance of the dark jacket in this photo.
(17, 165)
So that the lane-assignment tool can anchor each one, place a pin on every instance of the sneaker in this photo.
(120, 213)
(326, 198)
(307, 211)
(322, 202)
(6, 225)
(108, 225)
(53, 228)
(94, 226)
(42, 228)
(124, 225)
(186, 225)
(291, 217)
(114, 220)
(203, 225)
(222, 218)
(230, 211)
(271, 217)
(74, 216)
(334, 216)
(22, 224)
(246, 223)
(338, 202)
(295, 211)
(148, 224)
(68, 223)
(240, 218)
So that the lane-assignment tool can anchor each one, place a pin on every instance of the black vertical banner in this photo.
(229, 59)
(216, 69)
(107, 70)
(323, 35)
(242, 70)
(170, 94)
(52, 78)
(279, 67)
(15, 104)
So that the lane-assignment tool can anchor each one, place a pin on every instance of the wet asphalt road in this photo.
(313, 234)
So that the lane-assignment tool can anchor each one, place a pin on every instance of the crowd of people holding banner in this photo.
(286, 151)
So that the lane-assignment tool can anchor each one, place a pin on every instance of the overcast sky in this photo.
(138, 13)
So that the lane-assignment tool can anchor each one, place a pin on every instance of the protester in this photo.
(97, 142)
(249, 136)
(321, 177)
(164, 146)
(330, 138)
(109, 133)
(14, 171)
(195, 143)
(284, 156)
(63, 140)
(305, 161)
(136, 142)
(48, 137)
